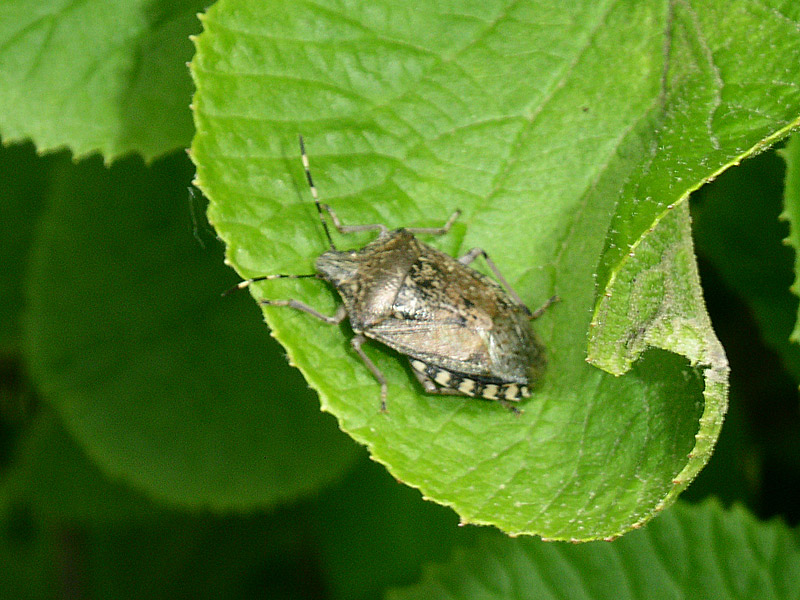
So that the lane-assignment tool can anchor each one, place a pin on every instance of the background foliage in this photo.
(153, 440)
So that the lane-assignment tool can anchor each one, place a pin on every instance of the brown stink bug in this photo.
(463, 333)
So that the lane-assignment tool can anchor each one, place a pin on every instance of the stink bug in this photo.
(463, 333)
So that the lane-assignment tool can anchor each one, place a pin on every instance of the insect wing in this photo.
(449, 345)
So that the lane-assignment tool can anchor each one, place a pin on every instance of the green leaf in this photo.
(161, 381)
(56, 481)
(689, 552)
(653, 300)
(26, 556)
(97, 76)
(791, 154)
(260, 556)
(21, 202)
(563, 134)
(357, 562)
(62, 521)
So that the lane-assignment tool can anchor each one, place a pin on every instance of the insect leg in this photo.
(336, 222)
(540, 311)
(475, 253)
(352, 228)
(436, 230)
(356, 343)
(337, 318)
(383, 229)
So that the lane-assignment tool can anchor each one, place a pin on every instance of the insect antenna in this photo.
(313, 189)
(246, 283)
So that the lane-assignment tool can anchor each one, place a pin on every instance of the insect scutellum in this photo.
(463, 333)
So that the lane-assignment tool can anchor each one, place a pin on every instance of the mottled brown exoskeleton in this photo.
(463, 333)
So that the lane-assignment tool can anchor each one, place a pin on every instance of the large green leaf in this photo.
(66, 528)
(374, 533)
(21, 202)
(162, 382)
(570, 137)
(689, 552)
(104, 76)
(26, 556)
(56, 482)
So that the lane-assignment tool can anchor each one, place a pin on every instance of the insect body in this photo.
(464, 333)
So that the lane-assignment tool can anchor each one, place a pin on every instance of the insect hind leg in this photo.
(540, 311)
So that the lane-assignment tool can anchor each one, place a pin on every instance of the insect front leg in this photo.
(383, 229)
(436, 230)
(352, 228)
(337, 318)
